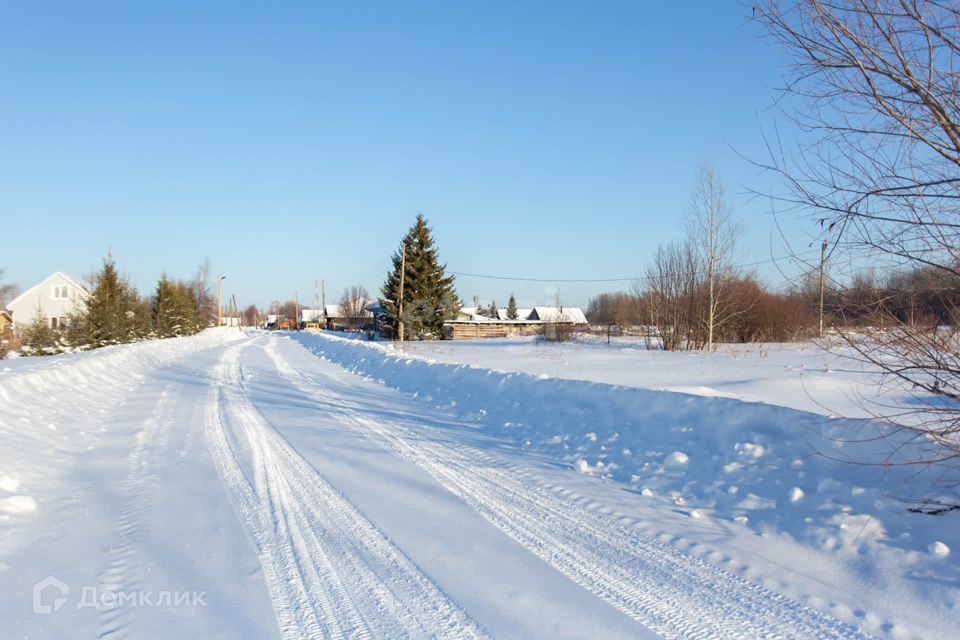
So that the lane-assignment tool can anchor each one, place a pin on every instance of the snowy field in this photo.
(801, 376)
(297, 486)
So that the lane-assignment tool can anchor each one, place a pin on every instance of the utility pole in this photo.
(219, 299)
(323, 301)
(823, 258)
(403, 275)
(236, 310)
(296, 306)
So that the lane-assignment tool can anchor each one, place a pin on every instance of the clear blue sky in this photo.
(288, 143)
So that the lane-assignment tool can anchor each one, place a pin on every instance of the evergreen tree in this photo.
(492, 312)
(39, 338)
(113, 312)
(512, 313)
(175, 309)
(429, 298)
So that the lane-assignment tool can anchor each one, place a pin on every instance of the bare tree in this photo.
(878, 116)
(713, 235)
(206, 303)
(251, 316)
(353, 302)
(287, 313)
(8, 292)
(671, 295)
(619, 308)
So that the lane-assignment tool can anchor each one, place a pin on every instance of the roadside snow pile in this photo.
(743, 462)
(801, 376)
(52, 412)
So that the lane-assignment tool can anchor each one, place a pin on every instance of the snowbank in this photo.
(770, 468)
(52, 412)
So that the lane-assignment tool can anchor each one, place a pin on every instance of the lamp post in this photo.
(220, 279)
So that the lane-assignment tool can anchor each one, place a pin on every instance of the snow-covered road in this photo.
(239, 486)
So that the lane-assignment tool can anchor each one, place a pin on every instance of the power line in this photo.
(630, 279)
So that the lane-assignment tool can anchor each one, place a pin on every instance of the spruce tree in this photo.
(39, 338)
(429, 298)
(175, 309)
(113, 313)
(162, 309)
(512, 313)
(492, 312)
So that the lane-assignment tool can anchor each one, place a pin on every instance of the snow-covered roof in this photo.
(558, 314)
(79, 283)
(335, 310)
(537, 314)
(521, 314)
(471, 314)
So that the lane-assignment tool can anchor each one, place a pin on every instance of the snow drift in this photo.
(773, 469)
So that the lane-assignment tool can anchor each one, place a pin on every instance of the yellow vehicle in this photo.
(312, 326)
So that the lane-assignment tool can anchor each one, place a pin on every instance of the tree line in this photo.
(673, 306)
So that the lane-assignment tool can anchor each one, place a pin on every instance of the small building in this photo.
(474, 314)
(276, 322)
(338, 316)
(378, 313)
(53, 300)
(470, 325)
(311, 315)
(489, 328)
(562, 315)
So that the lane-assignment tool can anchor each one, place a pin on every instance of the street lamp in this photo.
(220, 279)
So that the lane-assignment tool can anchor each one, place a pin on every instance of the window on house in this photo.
(60, 292)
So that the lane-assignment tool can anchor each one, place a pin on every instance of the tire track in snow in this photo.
(331, 573)
(663, 588)
(118, 576)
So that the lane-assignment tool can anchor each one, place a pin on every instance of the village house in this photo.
(336, 316)
(54, 300)
(311, 316)
(340, 316)
(563, 315)
(470, 324)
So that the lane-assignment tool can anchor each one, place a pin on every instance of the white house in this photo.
(54, 300)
